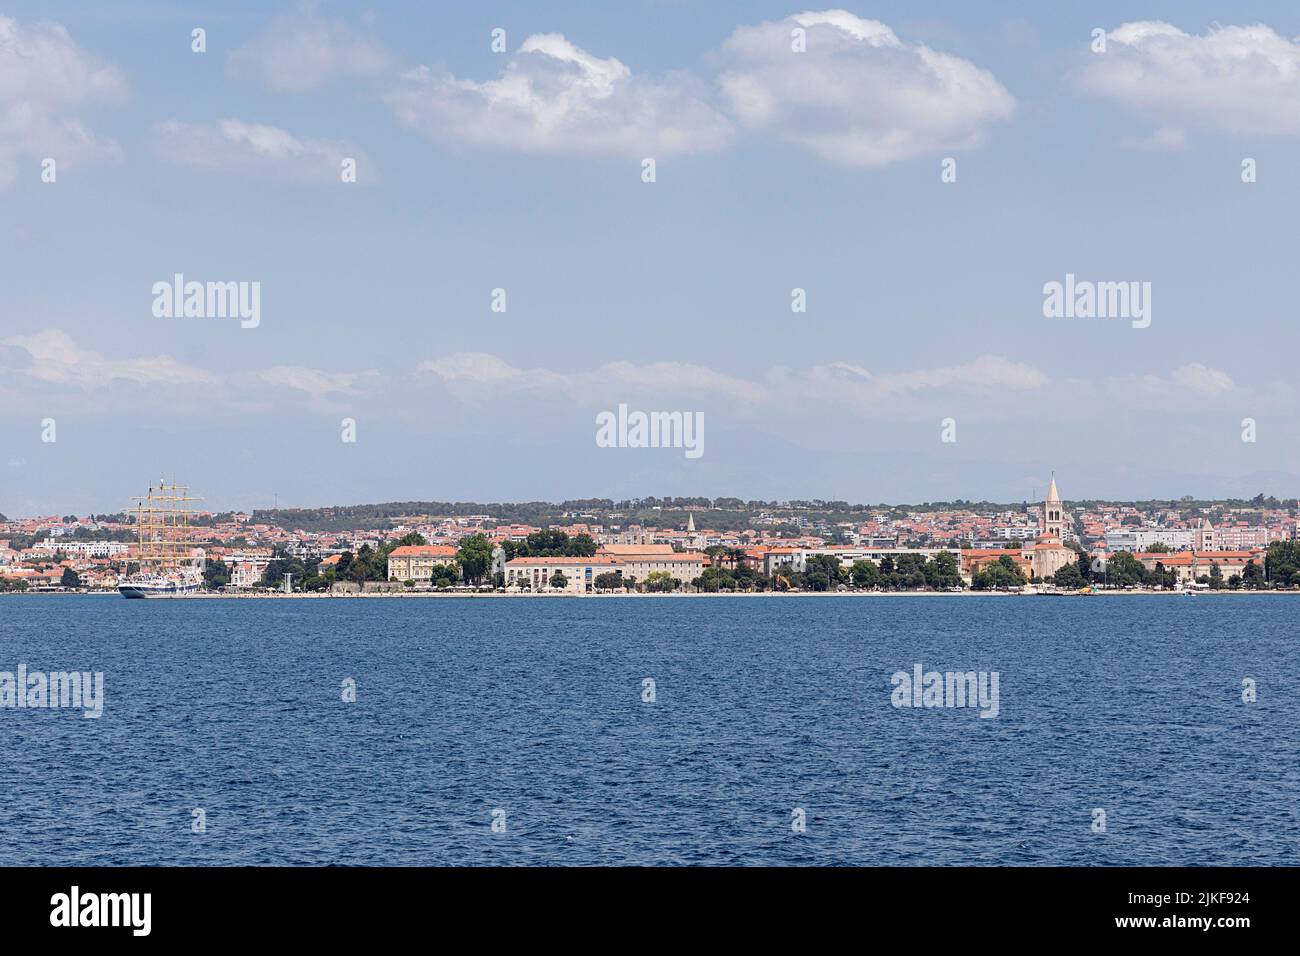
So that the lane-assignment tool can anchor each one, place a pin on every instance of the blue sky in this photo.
(480, 170)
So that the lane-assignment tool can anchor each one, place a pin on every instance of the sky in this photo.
(923, 367)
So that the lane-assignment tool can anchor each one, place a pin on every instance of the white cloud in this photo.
(1193, 377)
(310, 380)
(234, 144)
(553, 96)
(1201, 378)
(858, 95)
(53, 357)
(50, 362)
(1163, 139)
(1236, 79)
(856, 386)
(44, 75)
(478, 372)
(303, 53)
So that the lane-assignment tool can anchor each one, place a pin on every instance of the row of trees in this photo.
(730, 572)
(825, 572)
(551, 544)
(472, 564)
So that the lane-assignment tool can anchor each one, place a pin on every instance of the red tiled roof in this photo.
(598, 559)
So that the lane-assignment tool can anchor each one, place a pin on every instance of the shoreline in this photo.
(464, 595)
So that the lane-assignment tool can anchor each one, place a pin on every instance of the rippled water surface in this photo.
(534, 706)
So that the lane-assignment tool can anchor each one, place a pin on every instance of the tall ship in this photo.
(170, 564)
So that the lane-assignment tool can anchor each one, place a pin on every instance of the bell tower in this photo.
(1053, 517)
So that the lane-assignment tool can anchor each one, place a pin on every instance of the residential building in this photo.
(414, 562)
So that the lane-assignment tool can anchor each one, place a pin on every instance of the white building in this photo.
(1141, 539)
(797, 558)
(86, 549)
(636, 563)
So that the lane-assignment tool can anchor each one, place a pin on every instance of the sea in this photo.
(758, 730)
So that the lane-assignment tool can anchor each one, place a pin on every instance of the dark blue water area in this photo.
(533, 707)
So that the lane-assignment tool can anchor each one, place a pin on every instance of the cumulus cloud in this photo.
(1193, 377)
(553, 96)
(42, 366)
(234, 144)
(310, 380)
(44, 76)
(1235, 79)
(37, 369)
(303, 53)
(54, 358)
(858, 94)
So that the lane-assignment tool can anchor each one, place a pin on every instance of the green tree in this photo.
(580, 546)
(1124, 570)
(558, 580)
(999, 574)
(70, 578)
(284, 563)
(715, 579)
(608, 581)
(1282, 564)
(865, 574)
(1085, 567)
(661, 581)
(444, 575)
(216, 575)
(827, 569)
(475, 557)
(1068, 577)
(942, 571)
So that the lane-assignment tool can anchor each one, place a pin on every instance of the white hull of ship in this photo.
(158, 588)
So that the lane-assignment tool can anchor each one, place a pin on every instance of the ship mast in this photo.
(162, 520)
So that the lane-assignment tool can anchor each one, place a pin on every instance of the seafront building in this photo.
(415, 562)
(1191, 566)
(633, 563)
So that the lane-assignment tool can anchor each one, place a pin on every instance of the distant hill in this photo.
(723, 514)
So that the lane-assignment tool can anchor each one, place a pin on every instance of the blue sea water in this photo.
(533, 706)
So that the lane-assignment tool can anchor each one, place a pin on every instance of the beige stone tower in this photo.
(1053, 519)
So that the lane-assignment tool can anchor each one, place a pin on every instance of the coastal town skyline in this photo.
(600, 545)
